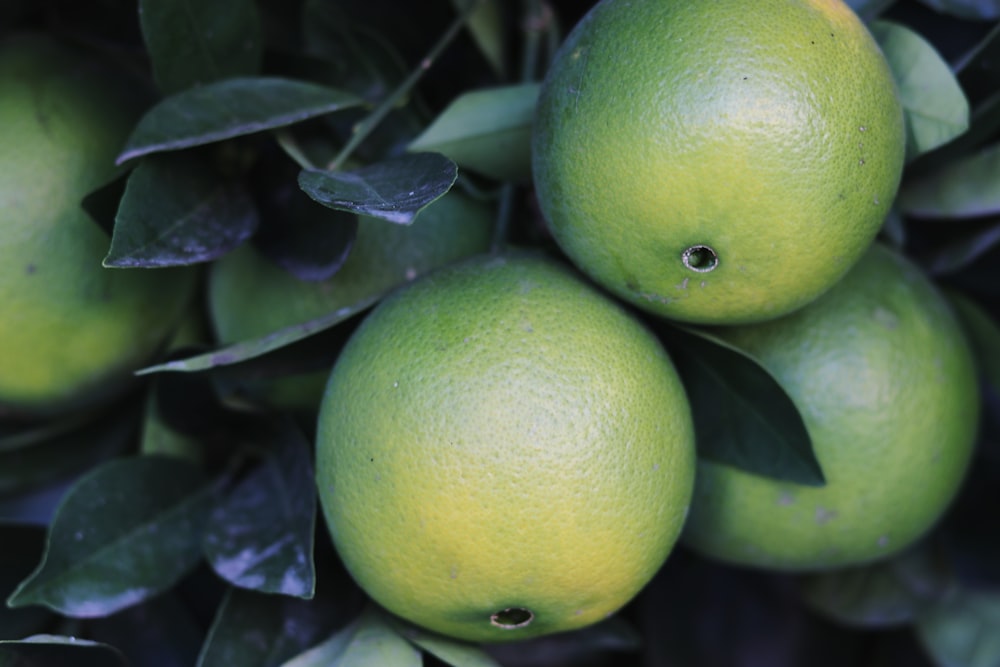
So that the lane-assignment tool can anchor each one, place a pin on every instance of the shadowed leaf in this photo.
(396, 189)
(230, 108)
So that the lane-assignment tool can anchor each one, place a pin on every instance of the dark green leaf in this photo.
(258, 630)
(963, 630)
(449, 651)
(612, 636)
(23, 546)
(962, 248)
(888, 593)
(742, 415)
(976, 70)
(260, 536)
(935, 105)
(308, 240)
(967, 9)
(126, 531)
(161, 632)
(488, 131)
(251, 349)
(230, 108)
(178, 210)
(486, 25)
(192, 42)
(60, 449)
(396, 189)
(984, 335)
(58, 651)
(962, 189)
(366, 642)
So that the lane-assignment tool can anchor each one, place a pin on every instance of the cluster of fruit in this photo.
(504, 447)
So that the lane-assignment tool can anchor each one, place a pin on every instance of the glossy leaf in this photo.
(963, 189)
(260, 536)
(58, 651)
(259, 630)
(251, 349)
(742, 415)
(230, 108)
(964, 630)
(126, 531)
(488, 131)
(935, 105)
(192, 42)
(366, 642)
(178, 210)
(888, 593)
(967, 9)
(396, 189)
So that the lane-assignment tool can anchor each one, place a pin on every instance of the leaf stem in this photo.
(292, 149)
(365, 127)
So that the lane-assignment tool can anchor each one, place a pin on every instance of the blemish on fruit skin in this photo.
(453, 574)
(883, 541)
(824, 516)
(30, 269)
(786, 498)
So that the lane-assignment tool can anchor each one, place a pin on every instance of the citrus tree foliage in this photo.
(177, 525)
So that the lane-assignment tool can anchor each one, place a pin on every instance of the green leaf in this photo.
(258, 630)
(126, 531)
(367, 642)
(23, 548)
(935, 107)
(888, 593)
(256, 347)
(983, 334)
(743, 417)
(230, 108)
(488, 131)
(964, 630)
(396, 189)
(59, 651)
(192, 42)
(260, 536)
(967, 9)
(62, 448)
(966, 188)
(449, 651)
(178, 210)
(486, 25)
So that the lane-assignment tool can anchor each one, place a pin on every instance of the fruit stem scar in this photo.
(700, 258)
(512, 618)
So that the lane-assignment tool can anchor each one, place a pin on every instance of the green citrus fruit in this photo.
(717, 161)
(503, 451)
(73, 330)
(251, 296)
(886, 385)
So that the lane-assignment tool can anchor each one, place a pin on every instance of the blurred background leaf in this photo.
(127, 530)
(191, 42)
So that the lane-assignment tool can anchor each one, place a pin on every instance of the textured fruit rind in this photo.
(499, 434)
(772, 134)
(885, 381)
